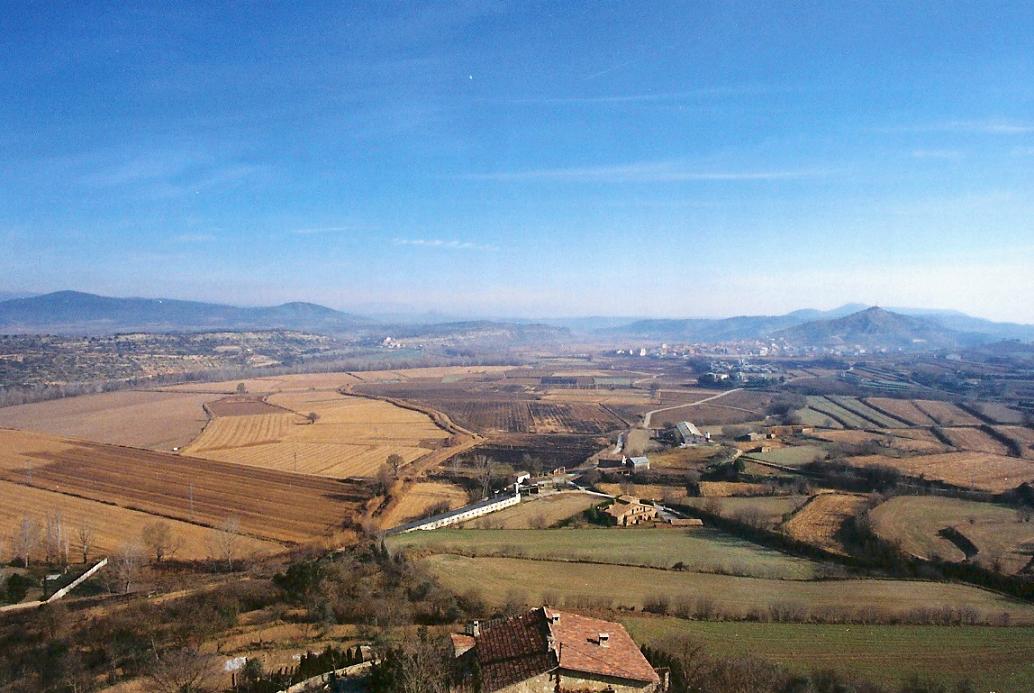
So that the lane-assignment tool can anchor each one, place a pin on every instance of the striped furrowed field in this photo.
(831, 409)
(898, 439)
(860, 408)
(270, 505)
(819, 520)
(977, 470)
(993, 659)
(352, 436)
(111, 526)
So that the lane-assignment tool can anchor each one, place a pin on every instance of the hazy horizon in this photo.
(527, 160)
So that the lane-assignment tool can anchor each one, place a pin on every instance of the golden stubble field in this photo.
(351, 437)
(819, 521)
(153, 420)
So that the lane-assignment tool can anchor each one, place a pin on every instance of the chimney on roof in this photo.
(474, 628)
(604, 639)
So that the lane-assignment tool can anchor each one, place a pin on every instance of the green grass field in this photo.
(994, 659)
(629, 587)
(823, 405)
(856, 406)
(700, 549)
(811, 417)
(790, 457)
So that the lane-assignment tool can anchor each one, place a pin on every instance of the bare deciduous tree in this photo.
(26, 539)
(483, 469)
(184, 671)
(160, 540)
(84, 538)
(56, 539)
(227, 539)
(126, 565)
(395, 461)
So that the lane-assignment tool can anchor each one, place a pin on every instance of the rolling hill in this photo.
(877, 328)
(66, 312)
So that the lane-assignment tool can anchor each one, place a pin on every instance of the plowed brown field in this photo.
(269, 505)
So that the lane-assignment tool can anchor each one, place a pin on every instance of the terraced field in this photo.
(976, 440)
(946, 413)
(270, 505)
(874, 416)
(998, 413)
(977, 470)
(996, 531)
(903, 409)
(819, 521)
(898, 439)
(1023, 436)
(834, 411)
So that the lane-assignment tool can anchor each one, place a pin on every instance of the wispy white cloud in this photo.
(646, 172)
(316, 231)
(440, 243)
(987, 126)
(603, 99)
(940, 154)
(194, 238)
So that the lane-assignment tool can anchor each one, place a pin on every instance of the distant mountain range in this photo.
(74, 312)
(848, 324)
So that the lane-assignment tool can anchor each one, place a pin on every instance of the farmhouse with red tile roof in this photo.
(544, 651)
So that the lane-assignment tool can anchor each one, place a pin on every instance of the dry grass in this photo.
(768, 509)
(946, 413)
(274, 383)
(820, 520)
(888, 438)
(269, 505)
(996, 531)
(1022, 435)
(416, 499)
(732, 488)
(976, 440)
(153, 420)
(353, 436)
(538, 513)
(683, 458)
(551, 581)
(999, 413)
(112, 526)
(903, 409)
(977, 470)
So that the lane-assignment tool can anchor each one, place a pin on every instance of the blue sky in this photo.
(524, 159)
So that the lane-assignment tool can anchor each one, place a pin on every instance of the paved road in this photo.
(649, 414)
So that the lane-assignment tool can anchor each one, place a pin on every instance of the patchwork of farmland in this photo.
(946, 413)
(352, 436)
(873, 416)
(153, 420)
(560, 582)
(976, 470)
(697, 549)
(830, 409)
(269, 505)
(998, 413)
(820, 521)
(996, 531)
